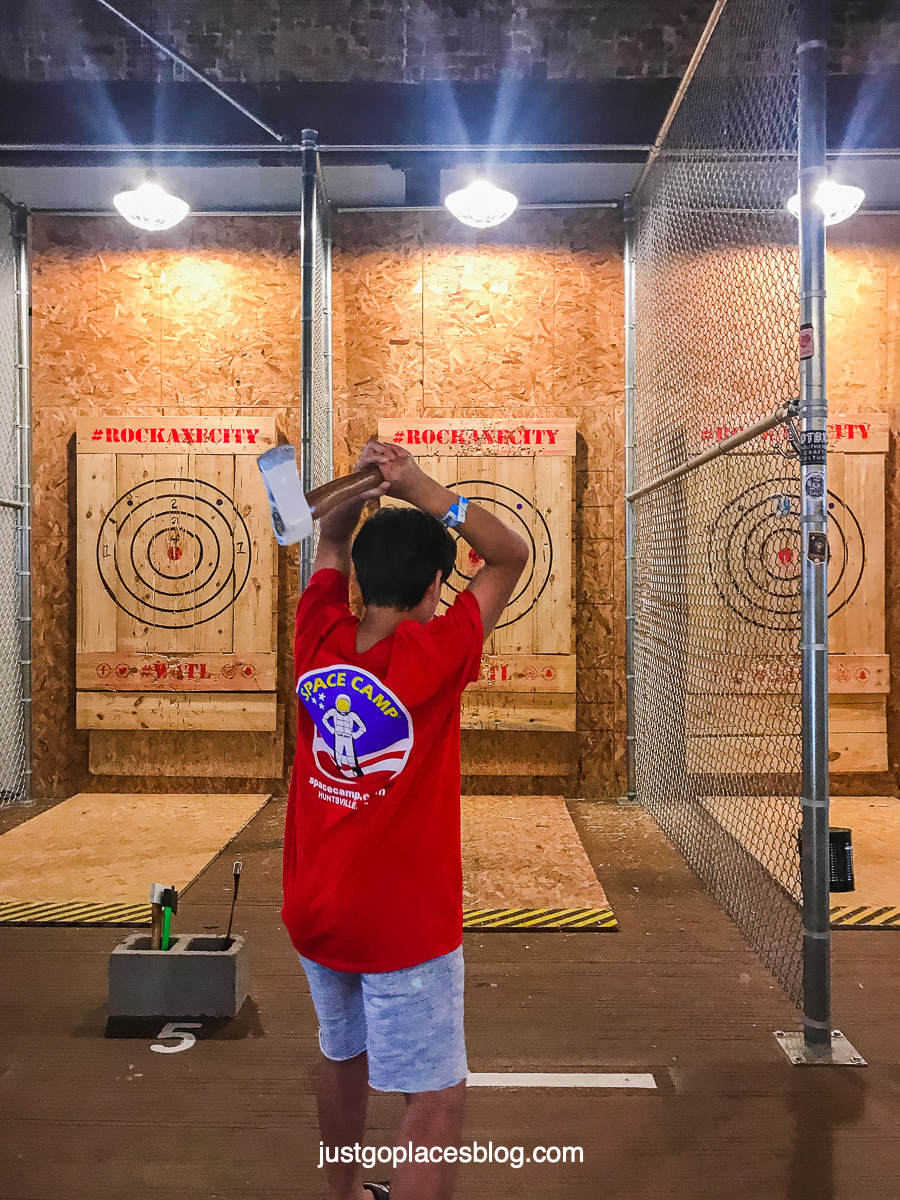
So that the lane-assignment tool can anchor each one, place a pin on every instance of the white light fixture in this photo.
(151, 207)
(481, 204)
(837, 200)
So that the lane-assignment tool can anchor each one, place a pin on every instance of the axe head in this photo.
(291, 516)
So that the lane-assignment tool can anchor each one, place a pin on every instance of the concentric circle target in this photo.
(174, 553)
(754, 554)
(516, 510)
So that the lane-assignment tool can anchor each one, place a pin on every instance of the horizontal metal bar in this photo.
(290, 212)
(355, 148)
(441, 207)
(737, 439)
(417, 148)
(11, 504)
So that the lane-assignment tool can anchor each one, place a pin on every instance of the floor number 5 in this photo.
(177, 1029)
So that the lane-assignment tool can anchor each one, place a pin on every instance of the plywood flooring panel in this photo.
(524, 852)
(105, 848)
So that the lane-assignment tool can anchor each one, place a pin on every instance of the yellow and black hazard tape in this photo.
(570, 919)
(865, 916)
(73, 912)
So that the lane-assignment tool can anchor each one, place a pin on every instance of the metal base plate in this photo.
(839, 1054)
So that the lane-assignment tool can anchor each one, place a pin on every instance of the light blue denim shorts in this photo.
(410, 1022)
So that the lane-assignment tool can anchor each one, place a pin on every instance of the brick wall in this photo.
(395, 40)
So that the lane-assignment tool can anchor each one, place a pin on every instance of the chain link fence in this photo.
(15, 767)
(716, 553)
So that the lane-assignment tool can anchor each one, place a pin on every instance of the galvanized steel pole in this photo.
(630, 478)
(309, 171)
(23, 496)
(814, 866)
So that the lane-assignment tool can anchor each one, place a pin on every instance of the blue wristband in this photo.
(455, 514)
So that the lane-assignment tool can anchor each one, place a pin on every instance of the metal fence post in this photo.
(814, 867)
(309, 164)
(23, 484)
(630, 796)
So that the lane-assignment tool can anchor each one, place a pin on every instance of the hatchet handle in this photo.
(322, 500)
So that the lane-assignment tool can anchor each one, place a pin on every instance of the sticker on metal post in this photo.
(813, 445)
(807, 342)
(815, 485)
(817, 547)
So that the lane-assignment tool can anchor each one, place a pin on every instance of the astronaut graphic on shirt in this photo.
(346, 726)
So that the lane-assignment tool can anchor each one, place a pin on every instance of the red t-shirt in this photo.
(372, 870)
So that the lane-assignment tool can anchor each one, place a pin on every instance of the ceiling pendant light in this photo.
(838, 201)
(151, 207)
(481, 204)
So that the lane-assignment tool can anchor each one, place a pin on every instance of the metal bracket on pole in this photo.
(840, 1053)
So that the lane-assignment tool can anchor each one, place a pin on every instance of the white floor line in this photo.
(558, 1080)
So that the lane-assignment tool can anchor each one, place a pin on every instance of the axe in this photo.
(293, 512)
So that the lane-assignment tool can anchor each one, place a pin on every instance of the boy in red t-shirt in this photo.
(372, 871)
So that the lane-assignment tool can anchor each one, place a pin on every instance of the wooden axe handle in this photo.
(322, 500)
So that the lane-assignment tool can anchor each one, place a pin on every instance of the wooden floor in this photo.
(88, 1117)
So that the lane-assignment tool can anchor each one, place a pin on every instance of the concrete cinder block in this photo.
(193, 978)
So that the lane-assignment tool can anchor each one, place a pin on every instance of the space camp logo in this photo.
(363, 733)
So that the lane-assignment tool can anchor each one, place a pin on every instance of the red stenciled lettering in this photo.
(458, 437)
(489, 436)
(864, 430)
(442, 439)
(190, 670)
(502, 437)
(504, 671)
(156, 435)
(112, 435)
(203, 674)
(127, 435)
(251, 435)
(527, 433)
(413, 437)
(428, 437)
(538, 437)
(161, 670)
(551, 434)
(398, 436)
(513, 440)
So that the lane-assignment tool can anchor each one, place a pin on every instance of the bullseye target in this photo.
(174, 553)
(517, 511)
(754, 554)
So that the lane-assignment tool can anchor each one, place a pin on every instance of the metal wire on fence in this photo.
(716, 553)
(14, 751)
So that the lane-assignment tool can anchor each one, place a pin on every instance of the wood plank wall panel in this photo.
(432, 320)
(203, 321)
(863, 332)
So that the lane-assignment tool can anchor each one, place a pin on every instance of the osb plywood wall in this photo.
(434, 320)
(863, 332)
(203, 321)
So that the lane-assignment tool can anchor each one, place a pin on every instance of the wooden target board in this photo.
(754, 540)
(176, 575)
(522, 472)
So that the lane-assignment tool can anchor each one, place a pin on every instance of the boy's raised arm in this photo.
(505, 554)
(336, 528)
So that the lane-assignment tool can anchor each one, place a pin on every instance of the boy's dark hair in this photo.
(397, 554)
